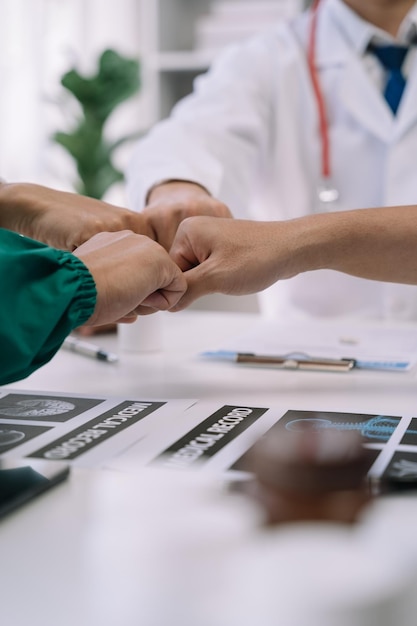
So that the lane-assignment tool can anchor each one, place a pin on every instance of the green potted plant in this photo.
(117, 79)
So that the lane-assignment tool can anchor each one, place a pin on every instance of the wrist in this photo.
(325, 241)
(311, 243)
(9, 214)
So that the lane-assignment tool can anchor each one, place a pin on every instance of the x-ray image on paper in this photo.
(47, 408)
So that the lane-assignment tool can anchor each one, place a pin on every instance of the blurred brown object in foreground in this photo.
(89, 331)
(310, 475)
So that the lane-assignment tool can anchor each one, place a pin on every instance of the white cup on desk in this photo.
(143, 335)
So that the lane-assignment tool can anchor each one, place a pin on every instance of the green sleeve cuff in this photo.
(84, 302)
(46, 293)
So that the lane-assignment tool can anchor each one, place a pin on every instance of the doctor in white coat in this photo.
(290, 123)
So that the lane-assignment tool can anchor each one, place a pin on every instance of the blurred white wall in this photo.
(39, 41)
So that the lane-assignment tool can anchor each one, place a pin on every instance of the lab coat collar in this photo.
(340, 33)
(357, 32)
(364, 103)
(343, 38)
(360, 33)
(408, 29)
(407, 113)
(346, 32)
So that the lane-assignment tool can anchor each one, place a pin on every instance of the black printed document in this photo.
(214, 438)
(183, 434)
(85, 431)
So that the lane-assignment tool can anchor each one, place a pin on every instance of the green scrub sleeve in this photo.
(45, 294)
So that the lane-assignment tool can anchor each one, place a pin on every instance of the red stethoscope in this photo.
(326, 192)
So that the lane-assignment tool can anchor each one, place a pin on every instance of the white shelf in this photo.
(183, 61)
(172, 58)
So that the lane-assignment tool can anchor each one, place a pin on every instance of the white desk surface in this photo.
(75, 556)
(178, 372)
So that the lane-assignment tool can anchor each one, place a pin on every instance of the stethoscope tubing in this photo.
(318, 93)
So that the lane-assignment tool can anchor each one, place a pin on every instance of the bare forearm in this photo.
(378, 244)
(240, 256)
(62, 219)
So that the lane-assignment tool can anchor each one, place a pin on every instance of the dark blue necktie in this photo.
(392, 58)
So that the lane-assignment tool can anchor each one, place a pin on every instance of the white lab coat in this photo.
(249, 134)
